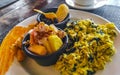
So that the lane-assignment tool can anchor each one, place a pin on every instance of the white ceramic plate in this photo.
(98, 3)
(30, 67)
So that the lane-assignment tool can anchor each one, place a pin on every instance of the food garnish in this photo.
(11, 47)
(45, 39)
(49, 15)
(54, 17)
(93, 48)
(7, 53)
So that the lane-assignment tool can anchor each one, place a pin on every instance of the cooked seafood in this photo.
(45, 39)
(93, 47)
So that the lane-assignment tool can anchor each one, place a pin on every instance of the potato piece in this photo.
(38, 49)
(47, 45)
(55, 42)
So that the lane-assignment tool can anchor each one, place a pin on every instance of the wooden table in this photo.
(22, 9)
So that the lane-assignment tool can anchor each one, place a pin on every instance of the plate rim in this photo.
(72, 10)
